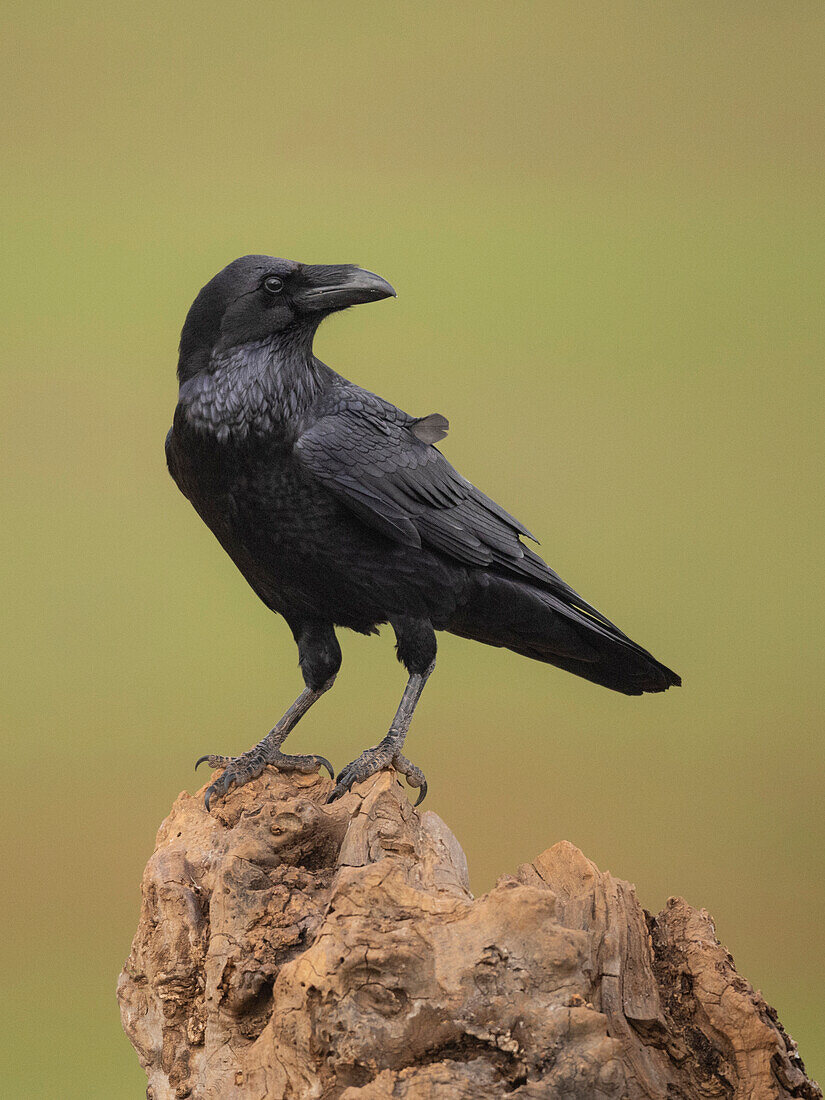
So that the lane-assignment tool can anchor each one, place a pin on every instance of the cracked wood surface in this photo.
(289, 949)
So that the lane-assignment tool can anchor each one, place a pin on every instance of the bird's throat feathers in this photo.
(258, 389)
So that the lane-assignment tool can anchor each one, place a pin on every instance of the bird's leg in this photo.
(387, 753)
(240, 769)
(317, 656)
(416, 650)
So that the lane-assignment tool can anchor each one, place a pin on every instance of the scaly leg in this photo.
(240, 769)
(416, 650)
(320, 659)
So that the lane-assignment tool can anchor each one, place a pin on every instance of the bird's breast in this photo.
(253, 494)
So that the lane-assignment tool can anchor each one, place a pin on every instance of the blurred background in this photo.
(605, 225)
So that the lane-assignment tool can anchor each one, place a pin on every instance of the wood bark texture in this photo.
(290, 949)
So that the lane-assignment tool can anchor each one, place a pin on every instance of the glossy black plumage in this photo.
(339, 510)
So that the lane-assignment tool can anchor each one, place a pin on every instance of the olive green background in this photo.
(605, 225)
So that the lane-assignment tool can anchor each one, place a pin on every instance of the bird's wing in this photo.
(380, 462)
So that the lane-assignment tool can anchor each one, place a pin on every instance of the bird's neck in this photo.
(256, 390)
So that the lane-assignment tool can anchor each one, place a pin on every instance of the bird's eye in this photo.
(273, 285)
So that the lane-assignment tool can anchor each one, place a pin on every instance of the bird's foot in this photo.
(386, 754)
(240, 769)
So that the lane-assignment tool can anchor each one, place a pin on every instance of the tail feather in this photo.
(560, 630)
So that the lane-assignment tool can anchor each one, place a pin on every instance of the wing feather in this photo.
(372, 456)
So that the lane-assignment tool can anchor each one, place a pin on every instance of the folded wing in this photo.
(377, 461)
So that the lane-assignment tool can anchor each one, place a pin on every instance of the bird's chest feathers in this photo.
(231, 448)
(252, 392)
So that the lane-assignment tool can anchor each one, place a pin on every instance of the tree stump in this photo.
(290, 949)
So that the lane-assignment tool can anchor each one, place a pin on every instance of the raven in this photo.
(339, 510)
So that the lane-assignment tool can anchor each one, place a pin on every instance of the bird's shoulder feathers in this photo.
(382, 464)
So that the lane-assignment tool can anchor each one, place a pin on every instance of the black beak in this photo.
(327, 288)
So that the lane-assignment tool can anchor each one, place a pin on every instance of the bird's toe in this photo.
(213, 760)
(240, 769)
(344, 782)
(218, 788)
(372, 761)
(413, 774)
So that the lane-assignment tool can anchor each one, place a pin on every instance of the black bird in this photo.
(339, 511)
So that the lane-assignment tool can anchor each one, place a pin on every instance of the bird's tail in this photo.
(559, 628)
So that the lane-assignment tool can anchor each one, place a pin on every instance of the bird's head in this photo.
(259, 296)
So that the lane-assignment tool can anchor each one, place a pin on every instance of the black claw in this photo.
(198, 763)
(220, 787)
(324, 763)
(423, 793)
(340, 789)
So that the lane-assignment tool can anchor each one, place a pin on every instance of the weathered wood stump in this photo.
(291, 949)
